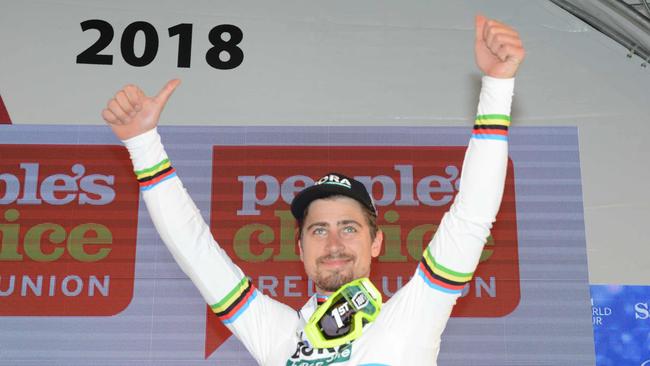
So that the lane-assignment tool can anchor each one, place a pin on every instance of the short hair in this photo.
(371, 218)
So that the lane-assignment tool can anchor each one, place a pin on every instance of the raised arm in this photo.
(450, 259)
(251, 316)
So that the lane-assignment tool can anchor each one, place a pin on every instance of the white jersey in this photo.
(408, 329)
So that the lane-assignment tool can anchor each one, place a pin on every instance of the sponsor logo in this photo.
(307, 356)
(360, 300)
(334, 179)
(641, 311)
(599, 313)
(412, 188)
(68, 220)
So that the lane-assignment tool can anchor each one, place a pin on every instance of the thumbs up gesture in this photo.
(498, 48)
(130, 112)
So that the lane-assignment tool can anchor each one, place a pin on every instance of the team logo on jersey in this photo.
(307, 356)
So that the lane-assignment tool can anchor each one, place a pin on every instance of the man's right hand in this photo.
(130, 112)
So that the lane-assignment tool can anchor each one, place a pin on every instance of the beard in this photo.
(332, 280)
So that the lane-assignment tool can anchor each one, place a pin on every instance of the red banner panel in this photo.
(68, 226)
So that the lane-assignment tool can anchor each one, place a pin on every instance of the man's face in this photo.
(336, 246)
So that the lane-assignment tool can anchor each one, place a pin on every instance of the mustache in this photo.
(331, 257)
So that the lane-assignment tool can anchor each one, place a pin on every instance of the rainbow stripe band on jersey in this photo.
(236, 302)
(320, 299)
(491, 127)
(441, 278)
(150, 177)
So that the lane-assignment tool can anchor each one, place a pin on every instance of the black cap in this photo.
(330, 185)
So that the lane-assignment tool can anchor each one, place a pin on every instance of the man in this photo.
(338, 238)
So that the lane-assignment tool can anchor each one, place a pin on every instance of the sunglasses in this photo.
(341, 318)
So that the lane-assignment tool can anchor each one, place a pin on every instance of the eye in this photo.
(349, 229)
(319, 231)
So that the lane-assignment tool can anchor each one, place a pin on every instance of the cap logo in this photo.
(334, 179)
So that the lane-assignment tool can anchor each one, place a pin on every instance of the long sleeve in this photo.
(179, 222)
(423, 306)
(453, 254)
(257, 320)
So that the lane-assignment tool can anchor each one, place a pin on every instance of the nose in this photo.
(334, 243)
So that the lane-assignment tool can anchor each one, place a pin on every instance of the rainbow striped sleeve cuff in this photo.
(441, 278)
(491, 127)
(236, 302)
(150, 177)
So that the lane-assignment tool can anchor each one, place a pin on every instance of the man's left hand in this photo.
(499, 50)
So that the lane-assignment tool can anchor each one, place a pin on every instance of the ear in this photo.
(375, 247)
(302, 257)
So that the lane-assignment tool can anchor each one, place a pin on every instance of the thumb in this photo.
(479, 22)
(167, 91)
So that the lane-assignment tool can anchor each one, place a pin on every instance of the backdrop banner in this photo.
(84, 276)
